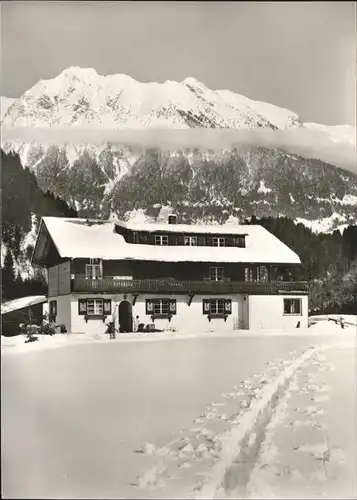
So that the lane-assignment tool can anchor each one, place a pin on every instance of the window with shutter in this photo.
(217, 306)
(164, 307)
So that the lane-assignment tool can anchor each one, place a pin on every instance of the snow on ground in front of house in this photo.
(263, 451)
(320, 325)
(167, 418)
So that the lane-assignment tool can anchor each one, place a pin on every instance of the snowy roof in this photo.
(74, 238)
(16, 304)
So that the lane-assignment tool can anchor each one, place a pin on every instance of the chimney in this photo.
(172, 219)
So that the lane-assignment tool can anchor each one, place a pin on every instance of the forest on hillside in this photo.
(329, 260)
(23, 203)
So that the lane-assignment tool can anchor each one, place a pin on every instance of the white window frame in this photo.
(98, 307)
(219, 242)
(214, 274)
(292, 306)
(218, 306)
(190, 241)
(161, 238)
(94, 270)
(159, 306)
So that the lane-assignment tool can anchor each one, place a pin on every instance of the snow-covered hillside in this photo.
(81, 97)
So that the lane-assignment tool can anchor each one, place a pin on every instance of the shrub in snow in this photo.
(30, 331)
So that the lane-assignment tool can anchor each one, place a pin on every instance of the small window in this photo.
(161, 239)
(94, 307)
(191, 241)
(217, 306)
(219, 242)
(216, 273)
(292, 306)
(161, 306)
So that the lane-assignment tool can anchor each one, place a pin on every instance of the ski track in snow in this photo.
(278, 474)
(208, 446)
(231, 449)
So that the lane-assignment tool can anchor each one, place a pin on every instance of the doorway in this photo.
(243, 312)
(125, 317)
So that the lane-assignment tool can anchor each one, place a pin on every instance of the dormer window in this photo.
(94, 270)
(161, 239)
(219, 242)
(191, 241)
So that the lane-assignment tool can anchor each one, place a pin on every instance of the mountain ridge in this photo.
(95, 177)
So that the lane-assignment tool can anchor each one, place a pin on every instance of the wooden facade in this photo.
(180, 277)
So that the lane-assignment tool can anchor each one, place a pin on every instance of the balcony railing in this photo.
(111, 285)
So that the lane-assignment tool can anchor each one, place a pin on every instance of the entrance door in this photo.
(243, 312)
(125, 316)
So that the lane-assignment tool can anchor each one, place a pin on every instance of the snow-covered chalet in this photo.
(178, 277)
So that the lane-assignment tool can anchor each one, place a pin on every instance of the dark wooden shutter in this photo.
(53, 310)
(107, 306)
(149, 306)
(180, 239)
(173, 239)
(201, 241)
(227, 306)
(229, 241)
(82, 307)
(209, 241)
(172, 306)
(205, 306)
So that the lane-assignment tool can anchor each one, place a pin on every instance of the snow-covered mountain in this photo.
(81, 97)
(95, 177)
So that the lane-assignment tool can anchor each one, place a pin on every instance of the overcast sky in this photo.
(299, 55)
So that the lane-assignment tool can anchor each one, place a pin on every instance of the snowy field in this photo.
(152, 417)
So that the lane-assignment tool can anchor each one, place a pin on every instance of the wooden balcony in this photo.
(111, 285)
